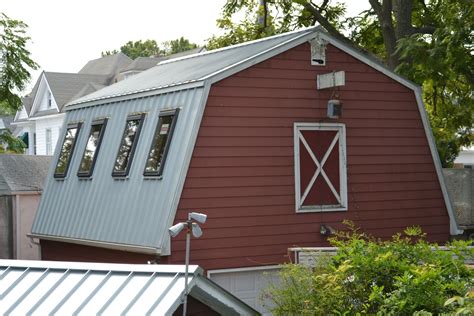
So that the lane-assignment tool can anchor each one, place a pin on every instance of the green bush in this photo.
(403, 276)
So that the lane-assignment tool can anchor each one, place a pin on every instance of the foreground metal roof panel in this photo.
(71, 288)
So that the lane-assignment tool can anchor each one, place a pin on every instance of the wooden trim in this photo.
(246, 269)
(340, 196)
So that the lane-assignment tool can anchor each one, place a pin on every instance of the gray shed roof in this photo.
(23, 173)
(71, 288)
(194, 68)
(107, 65)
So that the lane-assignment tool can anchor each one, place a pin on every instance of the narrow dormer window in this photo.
(86, 168)
(161, 143)
(129, 141)
(67, 150)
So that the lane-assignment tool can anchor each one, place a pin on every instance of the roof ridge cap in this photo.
(208, 52)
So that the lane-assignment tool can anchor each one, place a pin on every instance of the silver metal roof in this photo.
(193, 68)
(70, 288)
(121, 212)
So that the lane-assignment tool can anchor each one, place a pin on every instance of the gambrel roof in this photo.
(137, 212)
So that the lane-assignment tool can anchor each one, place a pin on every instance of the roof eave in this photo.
(134, 94)
(100, 244)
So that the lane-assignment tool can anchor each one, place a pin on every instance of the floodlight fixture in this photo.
(191, 227)
(198, 217)
(197, 231)
(176, 229)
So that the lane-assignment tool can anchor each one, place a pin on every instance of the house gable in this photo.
(44, 99)
(242, 169)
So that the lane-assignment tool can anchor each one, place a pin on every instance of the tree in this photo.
(15, 62)
(431, 43)
(11, 144)
(148, 48)
(402, 276)
(178, 45)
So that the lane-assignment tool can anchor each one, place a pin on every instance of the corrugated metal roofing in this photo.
(131, 211)
(192, 68)
(70, 288)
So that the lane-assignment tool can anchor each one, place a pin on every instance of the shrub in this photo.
(403, 276)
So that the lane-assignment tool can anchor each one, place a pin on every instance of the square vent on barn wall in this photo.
(318, 52)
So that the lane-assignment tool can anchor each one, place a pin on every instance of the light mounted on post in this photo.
(191, 228)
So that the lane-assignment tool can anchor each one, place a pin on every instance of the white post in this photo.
(188, 245)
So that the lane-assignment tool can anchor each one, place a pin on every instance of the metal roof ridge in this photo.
(208, 52)
(100, 266)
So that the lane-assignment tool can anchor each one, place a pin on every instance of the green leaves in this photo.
(15, 60)
(403, 276)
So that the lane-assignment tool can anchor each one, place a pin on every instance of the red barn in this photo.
(273, 139)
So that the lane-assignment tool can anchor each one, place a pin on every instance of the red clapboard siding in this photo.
(242, 168)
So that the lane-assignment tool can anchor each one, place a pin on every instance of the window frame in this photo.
(130, 117)
(63, 175)
(341, 129)
(48, 141)
(159, 172)
(83, 174)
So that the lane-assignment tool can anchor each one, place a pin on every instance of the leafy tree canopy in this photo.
(430, 42)
(150, 48)
(178, 45)
(403, 276)
(15, 62)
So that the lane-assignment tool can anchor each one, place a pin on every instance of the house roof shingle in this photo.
(23, 172)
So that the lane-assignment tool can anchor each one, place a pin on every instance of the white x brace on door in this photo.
(320, 167)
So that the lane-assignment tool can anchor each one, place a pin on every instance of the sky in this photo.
(66, 34)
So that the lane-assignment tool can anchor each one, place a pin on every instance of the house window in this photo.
(129, 141)
(320, 167)
(161, 142)
(92, 148)
(49, 148)
(67, 149)
(34, 143)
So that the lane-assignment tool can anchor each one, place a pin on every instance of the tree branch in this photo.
(323, 21)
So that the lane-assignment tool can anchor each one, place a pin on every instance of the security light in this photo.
(197, 231)
(198, 217)
(176, 229)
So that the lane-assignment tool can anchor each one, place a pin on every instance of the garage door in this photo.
(248, 284)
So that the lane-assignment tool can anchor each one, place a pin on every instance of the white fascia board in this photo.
(134, 95)
(99, 244)
(366, 60)
(166, 241)
(210, 273)
(454, 227)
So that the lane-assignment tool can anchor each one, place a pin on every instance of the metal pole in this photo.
(188, 245)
